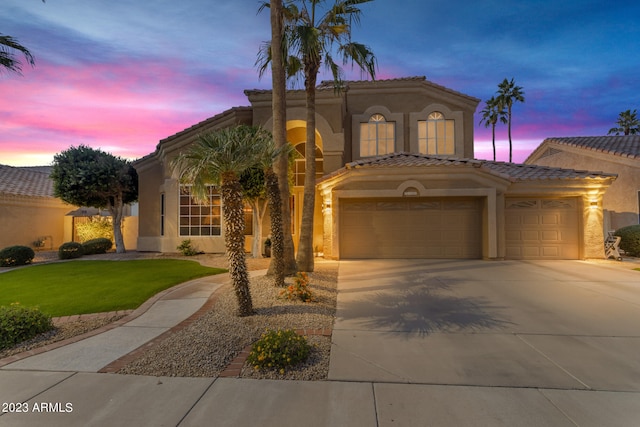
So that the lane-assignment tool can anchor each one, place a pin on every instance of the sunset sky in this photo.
(120, 75)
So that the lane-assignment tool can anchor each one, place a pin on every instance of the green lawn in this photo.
(79, 287)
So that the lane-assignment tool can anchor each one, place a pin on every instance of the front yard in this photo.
(90, 286)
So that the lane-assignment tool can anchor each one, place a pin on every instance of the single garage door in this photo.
(411, 228)
(542, 229)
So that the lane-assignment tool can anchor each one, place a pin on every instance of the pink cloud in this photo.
(121, 108)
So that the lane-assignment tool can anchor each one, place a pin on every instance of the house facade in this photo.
(31, 215)
(396, 178)
(614, 154)
(29, 212)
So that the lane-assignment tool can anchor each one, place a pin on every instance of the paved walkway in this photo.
(446, 343)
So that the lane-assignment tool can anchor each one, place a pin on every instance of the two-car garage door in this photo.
(452, 228)
(411, 228)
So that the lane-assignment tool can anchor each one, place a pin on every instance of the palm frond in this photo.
(361, 55)
(8, 58)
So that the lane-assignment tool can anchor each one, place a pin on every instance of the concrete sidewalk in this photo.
(153, 318)
(446, 375)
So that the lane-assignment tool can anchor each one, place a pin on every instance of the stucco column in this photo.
(327, 225)
(500, 226)
(593, 226)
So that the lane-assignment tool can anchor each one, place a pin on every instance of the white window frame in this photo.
(359, 119)
(458, 126)
(191, 215)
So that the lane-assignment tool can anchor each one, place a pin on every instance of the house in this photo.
(614, 154)
(30, 214)
(396, 177)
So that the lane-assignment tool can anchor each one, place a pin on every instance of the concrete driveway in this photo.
(510, 326)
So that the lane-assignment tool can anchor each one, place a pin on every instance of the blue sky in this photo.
(121, 75)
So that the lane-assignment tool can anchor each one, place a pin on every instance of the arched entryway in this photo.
(297, 137)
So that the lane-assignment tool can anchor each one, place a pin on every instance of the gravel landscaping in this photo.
(208, 345)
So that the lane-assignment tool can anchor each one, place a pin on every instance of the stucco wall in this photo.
(620, 202)
(24, 220)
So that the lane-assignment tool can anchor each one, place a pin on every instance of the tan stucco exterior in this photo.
(470, 181)
(621, 201)
(31, 215)
(28, 219)
(348, 176)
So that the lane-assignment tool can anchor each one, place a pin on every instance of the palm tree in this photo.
(507, 94)
(628, 124)
(8, 58)
(279, 107)
(310, 39)
(219, 158)
(490, 116)
(267, 158)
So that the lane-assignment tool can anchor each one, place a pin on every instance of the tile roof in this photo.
(511, 171)
(329, 85)
(624, 145)
(26, 181)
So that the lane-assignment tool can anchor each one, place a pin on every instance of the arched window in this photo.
(300, 166)
(436, 135)
(377, 136)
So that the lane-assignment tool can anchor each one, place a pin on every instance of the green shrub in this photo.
(70, 250)
(94, 228)
(279, 349)
(299, 289)
(18, 323)
(186, 248)
(16, 255)
(630, 239)
(97, 246)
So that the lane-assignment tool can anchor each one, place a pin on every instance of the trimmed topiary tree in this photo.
(70, 250)
(14, 256)
(630, 239)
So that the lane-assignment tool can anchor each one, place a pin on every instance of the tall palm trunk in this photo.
(493, 134)
(509, 127)
(277, 239)
(281, 164)
(305, 245)
(232, 210)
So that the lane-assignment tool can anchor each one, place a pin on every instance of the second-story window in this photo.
(377, 136)
(436, 135)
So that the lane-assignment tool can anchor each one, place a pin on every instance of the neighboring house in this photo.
(30, 214)
(612, 154)
(396, 179)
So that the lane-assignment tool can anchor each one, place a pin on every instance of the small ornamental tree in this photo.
(254, 191)
(84, 176)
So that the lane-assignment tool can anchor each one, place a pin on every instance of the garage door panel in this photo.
(550, 251)
(542, 229)
(418, 228)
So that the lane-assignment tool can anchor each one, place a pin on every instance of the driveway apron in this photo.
(566, 325)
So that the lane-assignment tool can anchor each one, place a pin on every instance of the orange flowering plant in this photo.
(299, 289)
